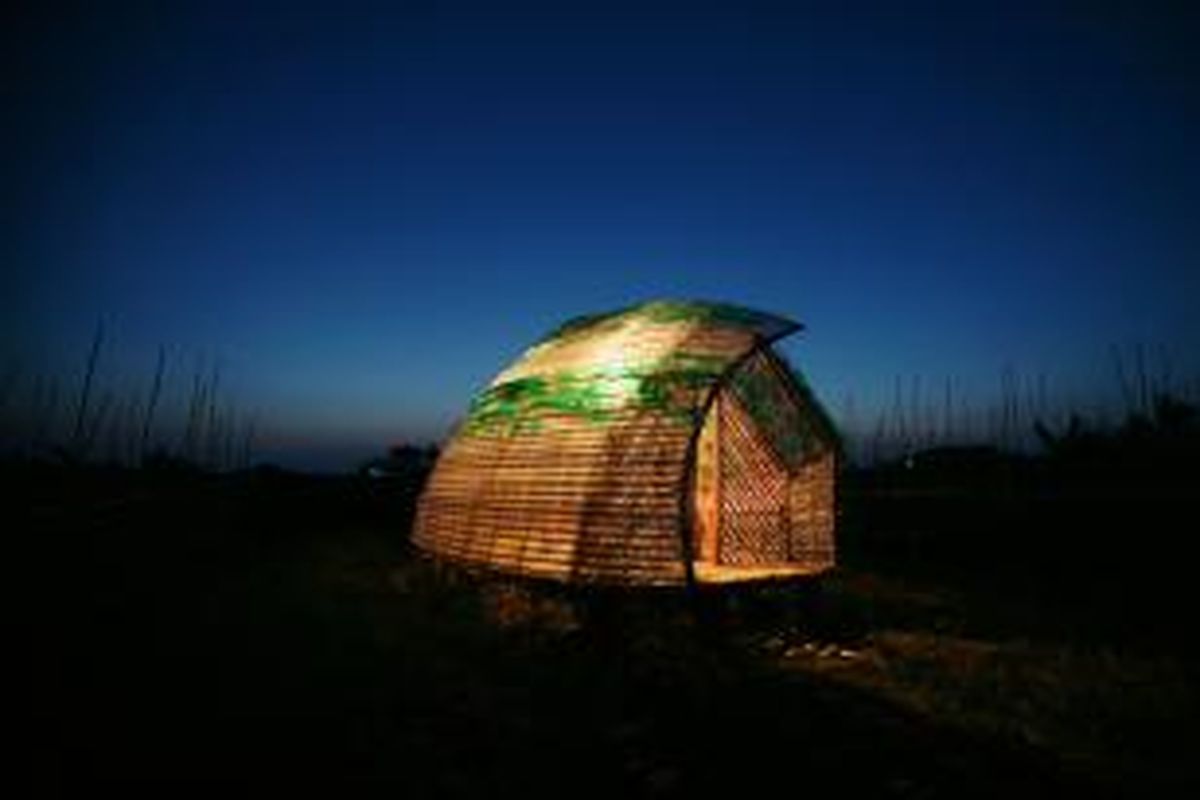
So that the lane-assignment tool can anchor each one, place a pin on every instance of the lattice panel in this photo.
(754, 491)
(764, 386)
(811, 507)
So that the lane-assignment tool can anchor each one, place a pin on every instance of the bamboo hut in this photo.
(662, 444)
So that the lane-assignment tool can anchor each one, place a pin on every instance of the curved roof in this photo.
(571, 463)
(651, 357)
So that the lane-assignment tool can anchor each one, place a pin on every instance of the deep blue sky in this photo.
(364, 214)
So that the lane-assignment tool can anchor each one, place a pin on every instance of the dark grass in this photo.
(188, 632)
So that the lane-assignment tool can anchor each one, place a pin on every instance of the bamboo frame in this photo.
(578, 463)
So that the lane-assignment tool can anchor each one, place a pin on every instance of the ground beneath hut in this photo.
(275, 633)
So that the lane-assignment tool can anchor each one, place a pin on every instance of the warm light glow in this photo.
(634, 342)
(572, 463)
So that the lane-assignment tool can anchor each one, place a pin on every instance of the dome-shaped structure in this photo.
(659, 444)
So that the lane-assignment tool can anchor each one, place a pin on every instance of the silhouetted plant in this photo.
(119, 424)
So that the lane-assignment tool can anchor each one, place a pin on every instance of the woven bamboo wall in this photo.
(777, 471)
(573, 464)
(754, 490)
(811, 505)
(576, 502)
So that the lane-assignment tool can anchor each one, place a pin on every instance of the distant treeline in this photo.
(1095, 512)
(1024, 417)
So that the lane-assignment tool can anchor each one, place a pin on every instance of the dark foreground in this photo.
(270, 632)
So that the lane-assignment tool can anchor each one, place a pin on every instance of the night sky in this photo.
(361, 215)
